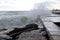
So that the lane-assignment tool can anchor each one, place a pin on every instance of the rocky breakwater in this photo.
(39, 34)
(30, 32)
(32, 35)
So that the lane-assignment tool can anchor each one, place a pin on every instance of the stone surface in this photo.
(32, 35)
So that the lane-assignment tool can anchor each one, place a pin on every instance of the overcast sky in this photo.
(25, 5)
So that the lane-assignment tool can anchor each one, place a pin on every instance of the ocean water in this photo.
(12, 19)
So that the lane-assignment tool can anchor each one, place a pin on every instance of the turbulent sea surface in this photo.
(14, 19)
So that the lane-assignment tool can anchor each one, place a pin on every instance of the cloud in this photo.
(21, 4)
(55, 4)
(18, 4)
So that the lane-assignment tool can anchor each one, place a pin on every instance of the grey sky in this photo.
(25, 4)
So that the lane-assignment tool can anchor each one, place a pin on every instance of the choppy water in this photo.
(11, 19)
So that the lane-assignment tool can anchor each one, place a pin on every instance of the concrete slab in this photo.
(52, 28)
(54, 19)
(51, 19)
(45, 19)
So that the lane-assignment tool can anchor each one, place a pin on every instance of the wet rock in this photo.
(5, 37)
(18, 31)
(2, 29)
(32, 35)
(29, 27)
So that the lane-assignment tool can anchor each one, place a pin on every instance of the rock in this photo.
(4, 37)
(31, 35)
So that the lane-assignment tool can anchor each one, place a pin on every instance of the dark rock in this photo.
(5, 37)
(3, 29)
(18, 31)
